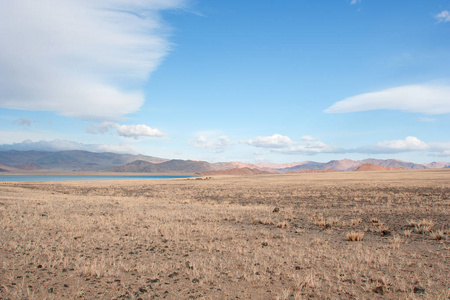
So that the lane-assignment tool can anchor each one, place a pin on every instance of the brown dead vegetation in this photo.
(255, 237)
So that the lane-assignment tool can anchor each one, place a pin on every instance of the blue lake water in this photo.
(21, 178)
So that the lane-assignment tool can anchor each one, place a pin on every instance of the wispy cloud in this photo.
(309, 147)
(426, 120)
(427, 99)
(274, 141)
(83, 59)
(284, 144)
(131, 131)
(216, 145)
(312, 146)
(23, 122)
(443, 16)
(408, 144)
(355, 2)
(61, 145)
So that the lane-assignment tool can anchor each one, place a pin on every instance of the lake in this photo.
(21, 178)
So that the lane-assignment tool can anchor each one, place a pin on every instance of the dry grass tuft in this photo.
(438, 235)
(396, 242)
(422, 229)
(354, 236)
(375, 220)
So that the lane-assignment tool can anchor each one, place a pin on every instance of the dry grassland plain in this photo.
(353, 235)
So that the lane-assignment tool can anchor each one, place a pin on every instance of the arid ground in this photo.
(352, 235)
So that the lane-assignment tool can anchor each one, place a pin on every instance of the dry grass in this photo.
(438, 235)
(223, 238)
(354, 236)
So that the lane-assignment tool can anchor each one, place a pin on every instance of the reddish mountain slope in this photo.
(313, 171)
(236, 171)
(371, 167)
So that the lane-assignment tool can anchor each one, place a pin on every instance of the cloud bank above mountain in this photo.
(309, 145)
(62, 145)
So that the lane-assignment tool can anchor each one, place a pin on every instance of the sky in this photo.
(251, 81)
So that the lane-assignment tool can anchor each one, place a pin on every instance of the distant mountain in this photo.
(351, 165)
(438, 165)
(28, 167)
(73, 160)
(313, 171)
(171, 166)
(85, 161)
(371, 167)
(236, 171)
(231, 165)
(309, 165)
(4, 168)
(139, 166)
(265, 166)
(393, 163)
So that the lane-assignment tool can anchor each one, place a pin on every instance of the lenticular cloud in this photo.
(83, 59)
(426, 99)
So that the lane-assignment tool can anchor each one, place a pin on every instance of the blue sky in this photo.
(277, 81)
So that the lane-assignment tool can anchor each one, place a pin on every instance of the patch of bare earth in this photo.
(355, 235)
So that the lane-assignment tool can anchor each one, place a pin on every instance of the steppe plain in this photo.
(349, 235)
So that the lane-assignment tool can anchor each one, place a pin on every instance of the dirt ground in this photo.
(352, 235)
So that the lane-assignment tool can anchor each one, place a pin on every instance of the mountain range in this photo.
(72, 160)
(85, 161)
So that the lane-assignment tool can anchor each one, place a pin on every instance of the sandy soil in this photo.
(255, 237)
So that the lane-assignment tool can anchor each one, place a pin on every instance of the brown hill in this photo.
(4, 168)
(371, 167)
(28, 167)
(171, 166)
(236, 171)
(313, 171)
(263, 166)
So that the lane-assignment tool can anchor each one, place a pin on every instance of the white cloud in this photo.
(308, 138)
(274, 141)
(410, 143)
(426, 120)
(309, 147)
(81, 58)
(62, 145)
(355, 2)
(131, 131)
(278, 143)
(443, 16)
(439, 148)
(427, 99)
(216, 145)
